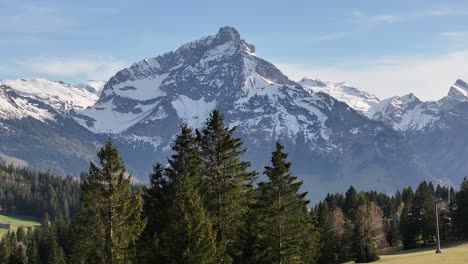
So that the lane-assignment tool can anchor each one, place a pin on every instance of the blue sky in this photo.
(385, 47)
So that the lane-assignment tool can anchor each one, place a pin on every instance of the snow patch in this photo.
(59, 95)
(193, 112)
(144, 89)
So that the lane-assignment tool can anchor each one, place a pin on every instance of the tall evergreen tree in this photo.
(286, 232)
(188, 238)
(179, 230)
(330, 249)
(350, 203)
(111, 222)
(155, 205)
(461, 214)
(227, 190)
(18, 256)
(408, 227)
(423, 209)
(185, 161)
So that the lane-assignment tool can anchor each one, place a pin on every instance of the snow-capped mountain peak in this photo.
(142, 106)
(459, 91)
(357, 99)
(57, 94)
(214, 68)
(92, 86)
(15, 106)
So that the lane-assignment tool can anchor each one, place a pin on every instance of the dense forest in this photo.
(27, 192)
(205, 205)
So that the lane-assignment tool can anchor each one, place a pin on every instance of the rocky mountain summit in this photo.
(336, 134)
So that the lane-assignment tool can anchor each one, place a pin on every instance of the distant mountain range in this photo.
(336, 134)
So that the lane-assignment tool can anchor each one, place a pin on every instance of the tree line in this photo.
(28, 192)
(206, 205)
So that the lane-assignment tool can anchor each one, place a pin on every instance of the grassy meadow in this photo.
(17, 221)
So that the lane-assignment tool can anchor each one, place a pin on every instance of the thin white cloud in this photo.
(98, 68)
(385, 18)
(427, 77)
(447, 12)
(456, 39)
(34, 19)
(421, 14)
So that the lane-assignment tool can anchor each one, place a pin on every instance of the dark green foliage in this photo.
(179, 229)
(350, 202)
(188, 238)
(285, 230)
(330, 251)
(27, 192)
(46, 244)
(227, 184)
(423, 210)
(203, 208)
(19, 255)
(110, 223)
(408, 228)
(407, 195)
(461, 214)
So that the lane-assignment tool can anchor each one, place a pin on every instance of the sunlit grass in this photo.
(17, 221)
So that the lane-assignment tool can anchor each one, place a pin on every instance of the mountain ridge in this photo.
(325, 126)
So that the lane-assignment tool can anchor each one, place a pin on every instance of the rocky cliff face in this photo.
(329, 142)
(327, 128)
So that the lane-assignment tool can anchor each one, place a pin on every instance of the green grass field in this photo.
(455, 253)
(17, 221)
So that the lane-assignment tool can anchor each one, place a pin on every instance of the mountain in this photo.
(92, 86)
(329, 143)
(35, 129)
(435, 130)
(57, 94)
(405, 113)
(411, 115)
(359, 100)
(324, 126)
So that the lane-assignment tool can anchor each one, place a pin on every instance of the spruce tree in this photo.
(461, 214)
(188, 238)
(227, 190)
(330, 247)
(18, 256)
(185, 161)
(350, 204)
(180, 230)
(111, 222)
(423, 209)
(285, 230)
(408, 227)
(155, 201)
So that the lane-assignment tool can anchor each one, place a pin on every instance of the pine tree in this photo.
(18, 256)
(188, 238)
(180, 230)
(155, 202)
(186, 161)
(286, 233)
(110, 223)
(227, 190)
(423, 209)
(7, 246)
(350, 202)
(408, 227)
(461, 214)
